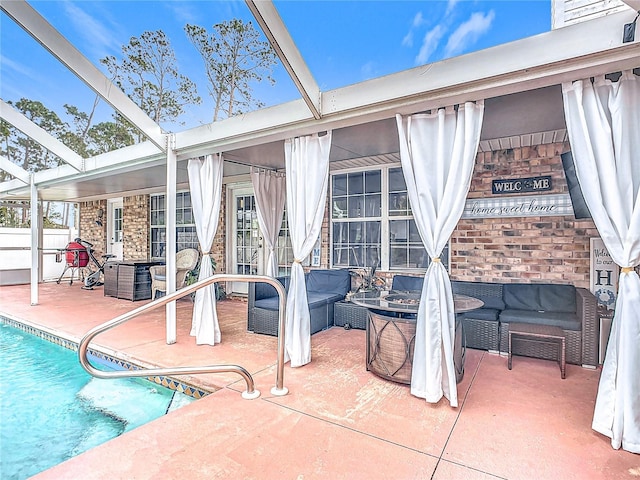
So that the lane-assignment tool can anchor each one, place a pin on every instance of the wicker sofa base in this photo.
(481, 334)
(350, 315)
(261, 320)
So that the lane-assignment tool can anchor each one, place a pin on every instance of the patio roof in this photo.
(521, 91)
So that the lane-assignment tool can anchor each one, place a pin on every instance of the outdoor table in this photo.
(391, 329)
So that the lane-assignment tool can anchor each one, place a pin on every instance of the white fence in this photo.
(15, 254)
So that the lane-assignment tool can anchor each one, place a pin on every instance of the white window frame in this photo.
(384, 219)
(182, 227)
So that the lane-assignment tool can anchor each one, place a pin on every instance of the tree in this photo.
(149, 76)
(234, 58)
(108, 136)
(22, 150)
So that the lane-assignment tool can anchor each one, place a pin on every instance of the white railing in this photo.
(250, 393)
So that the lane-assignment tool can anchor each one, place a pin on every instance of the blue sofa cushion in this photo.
(490, 314)
(337, 282)
(264, 290)
(540, 297)
(315, 299)
(270, 303)
(566, 321)
(489, 293)
(407, 283)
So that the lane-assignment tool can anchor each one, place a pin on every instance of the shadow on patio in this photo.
(338, 420)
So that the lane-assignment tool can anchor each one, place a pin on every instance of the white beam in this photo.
(170, 251)
(26, 126)
(276, 32)
(35, 226)
(42, 31)
(14, 170)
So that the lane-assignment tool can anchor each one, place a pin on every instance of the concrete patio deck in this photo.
(338, 420)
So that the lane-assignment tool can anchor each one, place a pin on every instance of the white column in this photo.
(35, 225)
(170, 225)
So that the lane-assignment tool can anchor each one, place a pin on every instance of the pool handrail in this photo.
(249, 393)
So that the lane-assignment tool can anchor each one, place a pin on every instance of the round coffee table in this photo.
(391, 330)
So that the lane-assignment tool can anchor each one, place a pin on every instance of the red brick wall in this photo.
(135, 227)
(87, 228)
(521, 249)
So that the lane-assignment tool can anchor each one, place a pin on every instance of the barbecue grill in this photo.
(75, 256)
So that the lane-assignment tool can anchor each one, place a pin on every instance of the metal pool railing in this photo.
(250, 393)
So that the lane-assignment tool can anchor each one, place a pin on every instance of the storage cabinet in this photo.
(129, 280)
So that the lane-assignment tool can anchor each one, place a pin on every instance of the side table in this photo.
(528, 332)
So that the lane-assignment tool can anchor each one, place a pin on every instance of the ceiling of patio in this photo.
(526, 118)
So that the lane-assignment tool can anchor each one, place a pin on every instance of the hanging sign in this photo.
(520, 206)
(604, 275)
(521, 185)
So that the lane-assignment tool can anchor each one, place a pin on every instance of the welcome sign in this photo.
(521, 185)
(604, 275)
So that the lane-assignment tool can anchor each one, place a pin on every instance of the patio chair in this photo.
(186, 260)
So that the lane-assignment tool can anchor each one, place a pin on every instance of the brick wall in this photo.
(521, 249)
(135, 227)
(220, 240)
(89, 231)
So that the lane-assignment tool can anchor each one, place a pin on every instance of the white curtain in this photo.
(205, 185)
(270, 192)
(603, 122)
(437, 152)
(307, 169)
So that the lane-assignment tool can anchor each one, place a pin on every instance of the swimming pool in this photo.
(53, 410)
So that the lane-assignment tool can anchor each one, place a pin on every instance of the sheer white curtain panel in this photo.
(307, 170)
(205, 185)
(270, 192)
(603, 123)
(438, 152)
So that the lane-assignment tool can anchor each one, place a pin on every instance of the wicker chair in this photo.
(186, 260)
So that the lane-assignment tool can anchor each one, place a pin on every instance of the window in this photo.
(357, 218)
(284, 249)
(372, 223)
(186, 236)
(118, 234)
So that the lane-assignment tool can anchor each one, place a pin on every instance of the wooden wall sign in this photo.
(519, 206)
(521, 185)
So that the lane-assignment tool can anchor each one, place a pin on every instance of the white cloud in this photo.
(95, 34)
(368, 70)
(451, 4)
(430, 44)
(468, 33)
(22, 69)
(417, 22)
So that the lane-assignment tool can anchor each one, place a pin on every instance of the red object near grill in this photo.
(76, 256)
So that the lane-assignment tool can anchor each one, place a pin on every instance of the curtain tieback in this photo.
(206, 253)
(437, 259)
(627, 269)
(297, 261)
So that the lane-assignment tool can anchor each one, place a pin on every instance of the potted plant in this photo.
(192, 277)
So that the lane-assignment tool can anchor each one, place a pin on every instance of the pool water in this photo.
(53, 410)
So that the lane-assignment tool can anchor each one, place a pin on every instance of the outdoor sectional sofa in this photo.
(487, 328)
(324, 289)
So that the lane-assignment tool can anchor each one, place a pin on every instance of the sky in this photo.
(342, 42)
